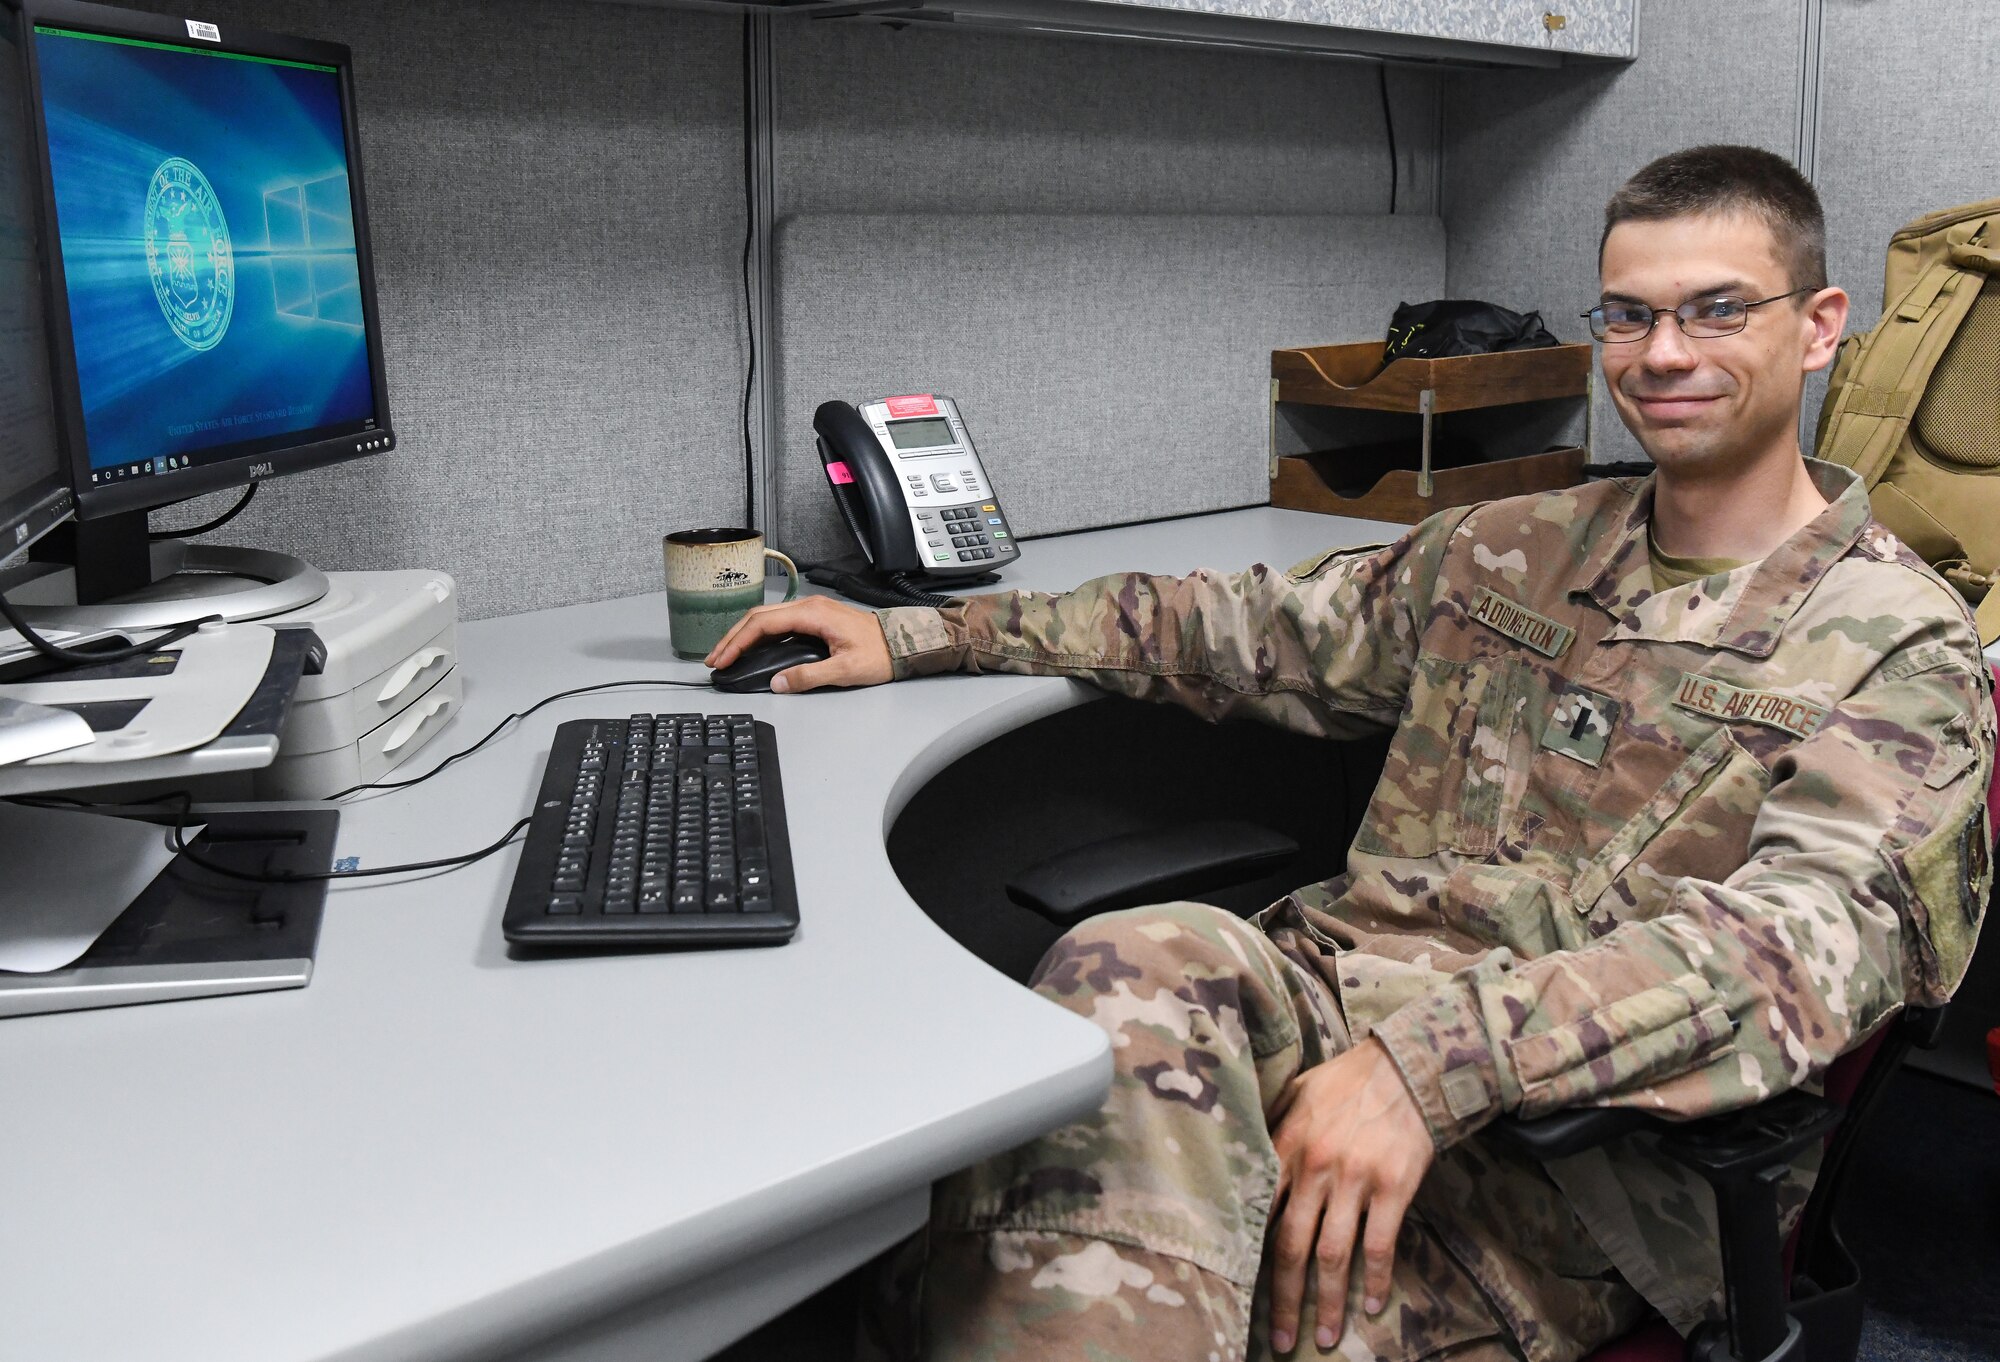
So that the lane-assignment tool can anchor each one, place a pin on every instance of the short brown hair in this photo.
(1725, 179)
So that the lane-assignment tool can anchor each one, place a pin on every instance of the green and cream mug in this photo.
(714, 577)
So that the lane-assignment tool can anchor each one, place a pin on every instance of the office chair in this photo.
(1795, 1300)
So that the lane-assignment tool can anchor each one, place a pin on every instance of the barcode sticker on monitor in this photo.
(208, 33)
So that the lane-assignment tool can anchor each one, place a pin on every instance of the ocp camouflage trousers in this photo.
(1137, 1235)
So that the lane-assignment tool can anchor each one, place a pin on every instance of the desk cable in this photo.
(184, 816)
(249, 493)
(1389, 128)
(177, 831)
(495, 731)
(78, 657)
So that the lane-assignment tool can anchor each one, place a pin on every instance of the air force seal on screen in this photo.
(188, 254)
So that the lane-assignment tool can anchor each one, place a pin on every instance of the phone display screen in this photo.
(925, 433)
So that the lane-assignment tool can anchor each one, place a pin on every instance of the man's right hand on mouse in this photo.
(859, 653)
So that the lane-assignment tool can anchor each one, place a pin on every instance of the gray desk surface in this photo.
(439, 1151)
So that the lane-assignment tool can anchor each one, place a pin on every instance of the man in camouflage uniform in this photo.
(1685, 799)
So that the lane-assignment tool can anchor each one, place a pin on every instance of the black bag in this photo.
(1461, 326)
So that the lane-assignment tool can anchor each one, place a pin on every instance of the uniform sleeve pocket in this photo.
(1308, 568)
(1452, 775)
(1650, 1036)
(1955, 755)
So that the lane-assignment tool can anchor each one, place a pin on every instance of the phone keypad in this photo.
(978, 534)
(956, 535)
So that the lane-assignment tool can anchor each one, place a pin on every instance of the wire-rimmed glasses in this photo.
(1699, 318)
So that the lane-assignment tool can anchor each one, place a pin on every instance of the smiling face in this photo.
(1703, 407)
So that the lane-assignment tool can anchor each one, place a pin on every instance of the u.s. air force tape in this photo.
(1720, 700)
(1521, 624)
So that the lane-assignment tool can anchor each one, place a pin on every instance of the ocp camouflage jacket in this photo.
(1673, 850)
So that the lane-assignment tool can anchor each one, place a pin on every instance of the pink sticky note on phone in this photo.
(838, 474)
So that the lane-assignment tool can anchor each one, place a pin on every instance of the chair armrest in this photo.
(1740, 1154)
(1747, 1143)
(1563, 1133)
(1768, 1135)
(1148, 867)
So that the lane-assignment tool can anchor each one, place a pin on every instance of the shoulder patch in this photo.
(1521, 624)
(1774, 709)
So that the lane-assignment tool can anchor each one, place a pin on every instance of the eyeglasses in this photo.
(1700, 319)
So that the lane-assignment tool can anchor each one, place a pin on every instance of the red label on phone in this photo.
(922, 404)
(838, 474)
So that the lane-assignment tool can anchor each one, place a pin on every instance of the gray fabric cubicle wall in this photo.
(914, 120)
(556, 197)
(1093, 246)
(1111, 368)
(1908, 103)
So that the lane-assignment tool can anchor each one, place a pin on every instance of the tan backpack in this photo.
(1914, 405)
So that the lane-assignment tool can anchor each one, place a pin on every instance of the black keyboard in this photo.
(657, 830)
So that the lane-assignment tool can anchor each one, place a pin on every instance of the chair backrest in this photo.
(1844, 1076)
(1843, 1081)
(1993, 790)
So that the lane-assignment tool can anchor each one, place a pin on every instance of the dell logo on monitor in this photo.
(262, 470)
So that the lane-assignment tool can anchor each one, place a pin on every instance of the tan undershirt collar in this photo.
(1670, 572)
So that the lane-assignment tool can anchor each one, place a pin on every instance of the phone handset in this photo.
(915, 497)
(864, 487)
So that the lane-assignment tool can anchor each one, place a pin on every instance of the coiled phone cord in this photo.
(884, 591)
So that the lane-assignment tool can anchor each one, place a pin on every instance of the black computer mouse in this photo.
(764, 659)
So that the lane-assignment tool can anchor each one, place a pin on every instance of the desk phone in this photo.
(911, 487)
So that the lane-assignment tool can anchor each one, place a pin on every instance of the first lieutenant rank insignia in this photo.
(1521, 624)
(1580, 726)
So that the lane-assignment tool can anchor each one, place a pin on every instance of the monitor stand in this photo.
(94, 575)
(194, 934)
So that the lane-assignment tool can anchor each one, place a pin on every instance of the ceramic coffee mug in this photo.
(713, 578)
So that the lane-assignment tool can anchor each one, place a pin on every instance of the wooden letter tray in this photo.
(1403, 477)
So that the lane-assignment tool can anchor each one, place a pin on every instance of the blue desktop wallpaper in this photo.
(207, 236)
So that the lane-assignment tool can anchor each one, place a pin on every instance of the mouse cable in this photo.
(379, 785)
(76, 657)
(186, 801)
(494, 732)
(177, 839)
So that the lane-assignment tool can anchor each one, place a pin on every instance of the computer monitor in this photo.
(34, 485)
(212, 292)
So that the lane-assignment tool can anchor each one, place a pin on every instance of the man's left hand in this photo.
(1352, 1149)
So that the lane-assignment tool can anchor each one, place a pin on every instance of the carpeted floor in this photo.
(1923, 1217)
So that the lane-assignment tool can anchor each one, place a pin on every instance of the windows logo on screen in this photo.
(315, 273)
(188, 254)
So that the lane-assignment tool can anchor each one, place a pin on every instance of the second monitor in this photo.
(213, 303)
